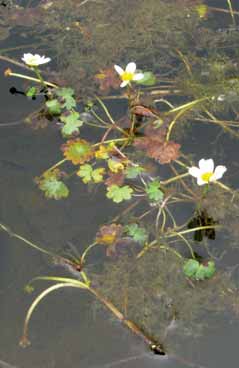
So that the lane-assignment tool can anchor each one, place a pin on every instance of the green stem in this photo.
(45, 83)
(175, 178)
(55, 166)
(194, 229)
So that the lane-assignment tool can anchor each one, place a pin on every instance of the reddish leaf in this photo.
(115, 178)
(107, 79)
(109, 234)
(78, 151)
(156, 146)
(144, 111)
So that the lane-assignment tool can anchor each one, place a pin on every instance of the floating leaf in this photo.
(149, 79)
(102, 152)
(109, 234)
(205, 271)
(54, 107)
(31, 92)
(78, 151)
(119, 194)
(197, 271)
(115, 165)
(133, 171)
(139, 234)
(53, 187)
(154, 191)
(88, 174)
(67, 95)
(190, 267)
(202, 10)
(72, 123)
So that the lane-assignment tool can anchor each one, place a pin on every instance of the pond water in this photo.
(86, 38)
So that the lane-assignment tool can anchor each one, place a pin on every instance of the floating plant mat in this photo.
(159, 265)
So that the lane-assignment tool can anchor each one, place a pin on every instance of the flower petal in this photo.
(194, 171)
(200, 181)
(206, 165)
(218, 173)
(138, 76)
(118, 69)
(130, 68)
(124, 83)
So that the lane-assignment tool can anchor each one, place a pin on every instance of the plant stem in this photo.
(175, 178)
(32, 79)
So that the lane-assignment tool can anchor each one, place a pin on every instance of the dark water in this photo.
(65, 332)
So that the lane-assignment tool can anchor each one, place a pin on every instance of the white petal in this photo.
(44, 60)
(118, 69)
(130, 68)
(206, 165)
(200, 181)
(124, 83)
(218, 173)
(194, 171)
(138, 76)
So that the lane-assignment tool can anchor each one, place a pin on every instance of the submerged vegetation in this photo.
(162, 270)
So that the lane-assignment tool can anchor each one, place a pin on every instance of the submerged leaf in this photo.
(155, 144)
(107, 79)
(109, 234)
(115, 178)
(133, 171)
(139, 234)
(119, 194)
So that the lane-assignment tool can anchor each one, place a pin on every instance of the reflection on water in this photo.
(85, 38)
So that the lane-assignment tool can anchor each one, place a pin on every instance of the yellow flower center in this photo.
(127, 76)
(207, 176)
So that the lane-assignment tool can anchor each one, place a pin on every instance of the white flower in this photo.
(129, 74)
(205, 173)
(35, 60)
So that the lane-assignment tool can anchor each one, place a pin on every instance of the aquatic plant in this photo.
(153, 273)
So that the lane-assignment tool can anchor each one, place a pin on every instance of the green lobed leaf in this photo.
(97, 175)
(54, 107)
(31, 92)
(153, 191)
(133, 171)
(67, 95)
(197, 271)
(190, 267)
(54, 188)
(205, 271)
(149, 79)
(87, 174)
(72, 123)
(139, 234)
(119, 194)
